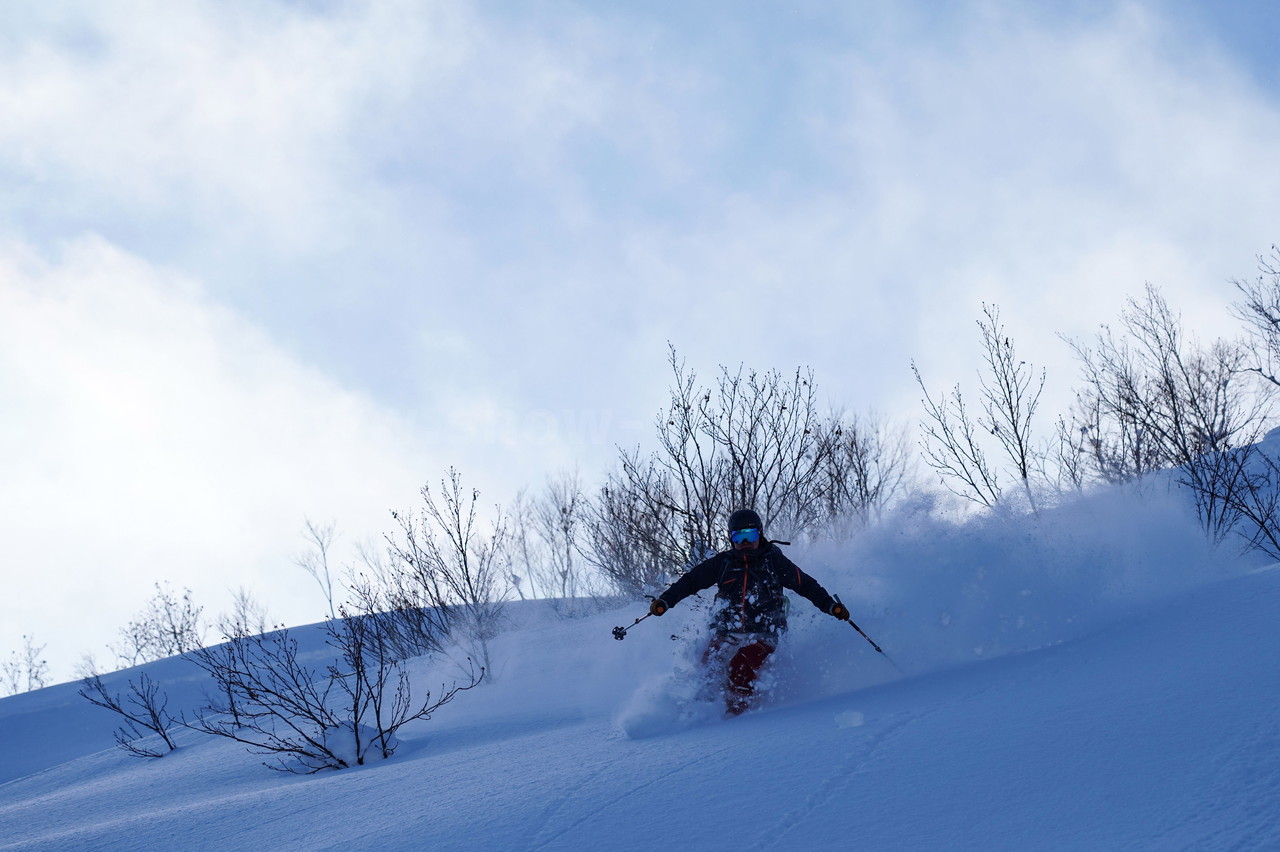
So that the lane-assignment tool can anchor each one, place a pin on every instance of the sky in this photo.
(269, 261)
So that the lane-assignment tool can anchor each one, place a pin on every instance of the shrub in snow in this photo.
(24, 671)
(446, 574)
(307, 718)
(167, 626)
(754, 439)
(144, 710)
(356, 744)
(546, 548)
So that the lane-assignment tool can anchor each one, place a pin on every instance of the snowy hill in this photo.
(1142, 717)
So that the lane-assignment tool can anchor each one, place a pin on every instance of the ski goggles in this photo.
(741, 536)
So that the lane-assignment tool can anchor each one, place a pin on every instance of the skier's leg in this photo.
(714, 652)
(715, 662)
(744, 668)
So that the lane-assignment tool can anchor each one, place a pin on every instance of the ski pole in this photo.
(620, 633)
(869, 639)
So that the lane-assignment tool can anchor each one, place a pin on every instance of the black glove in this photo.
(840, 611)
(658, 606)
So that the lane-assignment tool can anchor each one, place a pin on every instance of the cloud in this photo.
(232, 117)
(1052, 166)
(298, 125)
(410, 171)
(150, 434)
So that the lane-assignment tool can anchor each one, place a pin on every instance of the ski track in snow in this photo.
(602, 806)
(844, 774)
(548, 815)
(853, 766)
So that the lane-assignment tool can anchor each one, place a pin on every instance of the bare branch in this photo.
(144, 709)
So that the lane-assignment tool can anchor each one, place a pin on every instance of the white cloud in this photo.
(149, 434)
(236, 117)
(298, 127)
(1050, 167)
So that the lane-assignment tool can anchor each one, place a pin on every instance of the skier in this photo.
(750, 609)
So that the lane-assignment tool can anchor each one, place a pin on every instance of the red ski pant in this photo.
(743, 669)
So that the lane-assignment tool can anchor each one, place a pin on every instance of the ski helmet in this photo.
(745, 519)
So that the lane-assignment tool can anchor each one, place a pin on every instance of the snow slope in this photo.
(1153, 726)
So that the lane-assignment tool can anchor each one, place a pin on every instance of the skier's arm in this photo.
(699, 577)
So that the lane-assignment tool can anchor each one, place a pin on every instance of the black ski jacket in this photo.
(749, 586)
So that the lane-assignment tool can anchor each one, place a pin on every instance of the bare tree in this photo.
(1156, 399)
(1239, 487)
(87, 667)
(315, 559)
(627, 531)
(524, 553)
(247, 617)
(1260, 313)
(1172, 398)
(1066, 466)
(952, 447)
(144, 709)
(452, 565)
(1179, 397)
(1247, 482)
(753, 439)
(558, 519)
(869, 465)
(169, 624)
(1110, 430)
(414, 614)
(955, 441)
(374, 686)
(24, 671)
(307, 719)
(1011, 394)
(268, 699)
(549, 545)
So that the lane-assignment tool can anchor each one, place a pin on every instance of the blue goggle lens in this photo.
(739, 536)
